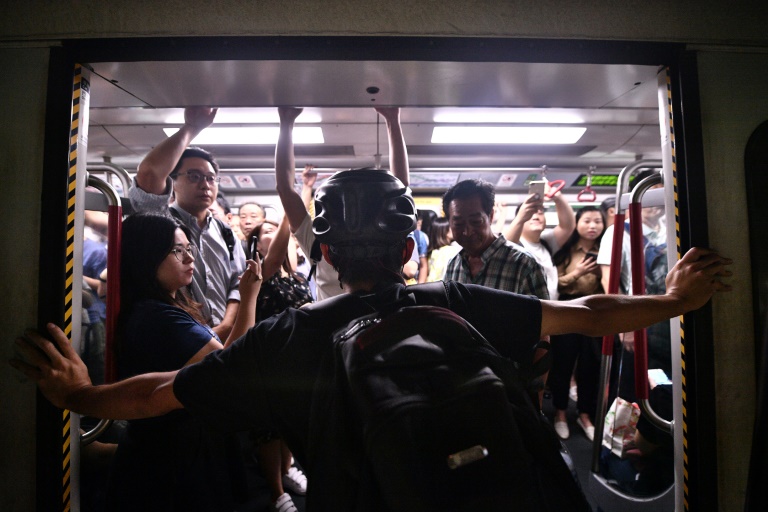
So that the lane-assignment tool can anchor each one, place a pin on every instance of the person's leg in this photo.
(564, 352)
(588, 376)
(293, 478)
(270, 463)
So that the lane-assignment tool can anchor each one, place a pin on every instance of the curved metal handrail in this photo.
(638, 288)
(110, 168)
(622, 185)
(114, 230)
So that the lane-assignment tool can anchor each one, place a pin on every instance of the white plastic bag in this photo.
(620, 426)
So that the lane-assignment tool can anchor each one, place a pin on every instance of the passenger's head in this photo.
(362, 222)
(469, 207)
(251, 215)
(534, 226)
(590, 226)
(156, 259)
(221, 209)
(264, 233)
(195, 180)
(590, 223)
(608, 207)
(440, 233)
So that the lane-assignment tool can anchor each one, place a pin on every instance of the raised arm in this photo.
(308, 179)
(159, 163)
(566, 220)
(250, 284)
(531, 205)
(63, 379)
(690, 284)
(285, 168)
(278, 249)
(398, 154)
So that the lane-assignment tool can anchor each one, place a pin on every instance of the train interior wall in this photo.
(731, 109)
(21, 142)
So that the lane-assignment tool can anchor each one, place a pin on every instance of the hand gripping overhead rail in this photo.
(114, 230)
(608, 496)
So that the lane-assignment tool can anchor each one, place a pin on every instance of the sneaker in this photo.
(284, 504)
(573, 394)
(589, 431)
(561, 427)
(295, 481)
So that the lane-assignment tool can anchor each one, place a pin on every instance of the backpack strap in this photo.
(315, 254)
(228, 236)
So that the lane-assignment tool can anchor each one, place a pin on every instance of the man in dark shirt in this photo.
(268, 379)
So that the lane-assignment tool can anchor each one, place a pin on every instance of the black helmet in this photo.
(362, 213)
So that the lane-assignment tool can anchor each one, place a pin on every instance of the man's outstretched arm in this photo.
(159, 163)
(690, 285)
(63, 378)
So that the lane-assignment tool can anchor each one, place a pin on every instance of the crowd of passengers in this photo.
(195, 276)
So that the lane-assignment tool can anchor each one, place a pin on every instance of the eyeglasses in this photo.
(180, 252)
(195, 177)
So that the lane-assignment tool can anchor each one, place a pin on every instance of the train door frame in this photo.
(701, 469)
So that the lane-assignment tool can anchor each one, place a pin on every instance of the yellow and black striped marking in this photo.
(69, 273)
(679, 255)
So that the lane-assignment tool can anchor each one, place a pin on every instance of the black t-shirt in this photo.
(266, 379)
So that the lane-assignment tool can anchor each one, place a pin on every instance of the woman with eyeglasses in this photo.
(171, 462)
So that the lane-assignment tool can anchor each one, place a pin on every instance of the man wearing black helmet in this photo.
(272, 378)
(295, 209)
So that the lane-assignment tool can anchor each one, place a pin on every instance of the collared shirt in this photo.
(586, 284)
(215, 281)
(506, 266)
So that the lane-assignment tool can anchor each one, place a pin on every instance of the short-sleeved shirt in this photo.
(216, 276)
(606, 246)
(94, 262)
(544, 257)
(268, 377)
(506, 266)
(171, 462)
(326, 277)
(604, 258)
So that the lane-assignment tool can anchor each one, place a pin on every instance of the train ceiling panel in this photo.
(131, 103)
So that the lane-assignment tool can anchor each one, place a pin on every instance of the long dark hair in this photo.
(563, 256)
(147, 239)
(438, 234)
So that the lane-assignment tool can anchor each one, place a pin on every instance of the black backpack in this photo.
(435, 419)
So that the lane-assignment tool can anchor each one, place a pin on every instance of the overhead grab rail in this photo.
(637, 253)
(554, 186)
(115, 170)
(588, 195)
(114, 232)
(613, 287)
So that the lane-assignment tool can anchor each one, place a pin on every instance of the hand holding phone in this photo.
(590, 256)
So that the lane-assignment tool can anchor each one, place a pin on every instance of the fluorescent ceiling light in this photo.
(252, 135)
(508, 115)
(247, 115)
(507, 134)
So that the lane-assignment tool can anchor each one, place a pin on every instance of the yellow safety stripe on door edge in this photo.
(69, 272)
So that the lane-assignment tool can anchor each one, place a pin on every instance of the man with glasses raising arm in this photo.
(194, 175)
